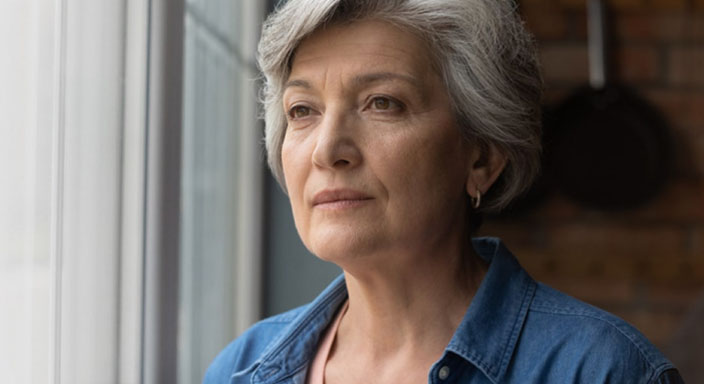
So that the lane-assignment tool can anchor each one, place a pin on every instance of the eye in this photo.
(383, 103)
(299, 112)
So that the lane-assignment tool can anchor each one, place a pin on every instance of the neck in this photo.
(413, 302)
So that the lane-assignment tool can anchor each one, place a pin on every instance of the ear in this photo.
(486, 164)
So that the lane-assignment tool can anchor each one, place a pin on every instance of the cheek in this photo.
(291, 165)
(428, 174)
(427, 162)
(294, 170)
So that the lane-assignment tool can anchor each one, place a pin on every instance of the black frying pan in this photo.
(608, 148)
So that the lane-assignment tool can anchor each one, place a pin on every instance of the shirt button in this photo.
(444, 372)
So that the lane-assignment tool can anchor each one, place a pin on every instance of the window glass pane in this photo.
(213, 79)
(293, 275)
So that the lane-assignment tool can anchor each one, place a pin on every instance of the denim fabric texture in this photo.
(515, 331)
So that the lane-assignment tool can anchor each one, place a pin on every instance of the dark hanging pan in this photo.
(608, 148)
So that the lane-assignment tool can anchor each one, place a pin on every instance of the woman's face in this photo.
(372, 157)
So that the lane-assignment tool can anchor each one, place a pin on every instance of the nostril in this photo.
(335, 150)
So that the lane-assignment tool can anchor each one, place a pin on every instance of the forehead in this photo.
(363, 45)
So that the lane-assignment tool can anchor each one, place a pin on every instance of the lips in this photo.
(339, 196)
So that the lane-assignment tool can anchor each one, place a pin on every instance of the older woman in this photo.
(392, 125)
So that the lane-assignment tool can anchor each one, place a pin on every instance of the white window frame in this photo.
(86, 189)
(130, 363)
(250, 297)
(109, 86)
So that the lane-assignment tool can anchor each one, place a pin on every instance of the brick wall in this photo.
(647, 264)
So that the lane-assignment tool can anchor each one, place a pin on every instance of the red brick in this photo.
(638, 64)
(673, 297)
(697, 145)
(667, 4)
(574, 265)
(618, 5)
(680, 108)
(681, 202)
(693, 29)
(603, 238)
(553, 95)
(636, 26)
(572, 4)
(696, 244)
(530, 4)
(675, 269)
(686, 66)
(686, 159)
(560, 208)
(691, 274)
(579, 25)
(514, 233)
(538, 262)
(565, 63)
(660, 27)
(603, 252)
(646, 26)
(699, 5)
(658, 326)
(681, 27)
(546, 21)
(599, 292)
(627, 5)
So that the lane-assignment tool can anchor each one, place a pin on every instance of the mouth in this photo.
(339, 198)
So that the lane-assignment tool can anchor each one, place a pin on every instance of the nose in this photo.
(336, 144)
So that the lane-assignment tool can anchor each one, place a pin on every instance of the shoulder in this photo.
(585, 344)
(279, 345)
(243, 352)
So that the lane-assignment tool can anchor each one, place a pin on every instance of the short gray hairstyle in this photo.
(486, 57)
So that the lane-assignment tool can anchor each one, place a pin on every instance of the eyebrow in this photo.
(297, 83)
(384, 76)
(364, 79)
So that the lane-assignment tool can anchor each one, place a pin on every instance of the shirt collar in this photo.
(488, 334)
(293, 351)
(486, 337)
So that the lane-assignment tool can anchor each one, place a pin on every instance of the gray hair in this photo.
(486, 57)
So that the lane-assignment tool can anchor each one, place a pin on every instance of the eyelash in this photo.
(399, 107)
(290, 114)
(394, 106)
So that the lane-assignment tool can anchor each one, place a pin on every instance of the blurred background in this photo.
(140, 231)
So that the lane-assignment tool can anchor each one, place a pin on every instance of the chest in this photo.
(341, 372)
(431, 371)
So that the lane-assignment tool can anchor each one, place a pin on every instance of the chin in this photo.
(340, 249)
(334, 252)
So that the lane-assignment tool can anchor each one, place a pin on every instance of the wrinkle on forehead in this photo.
(394, 51)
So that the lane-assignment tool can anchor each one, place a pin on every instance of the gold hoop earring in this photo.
(477, 201)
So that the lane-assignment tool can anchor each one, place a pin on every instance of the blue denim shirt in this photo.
(514, 331)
